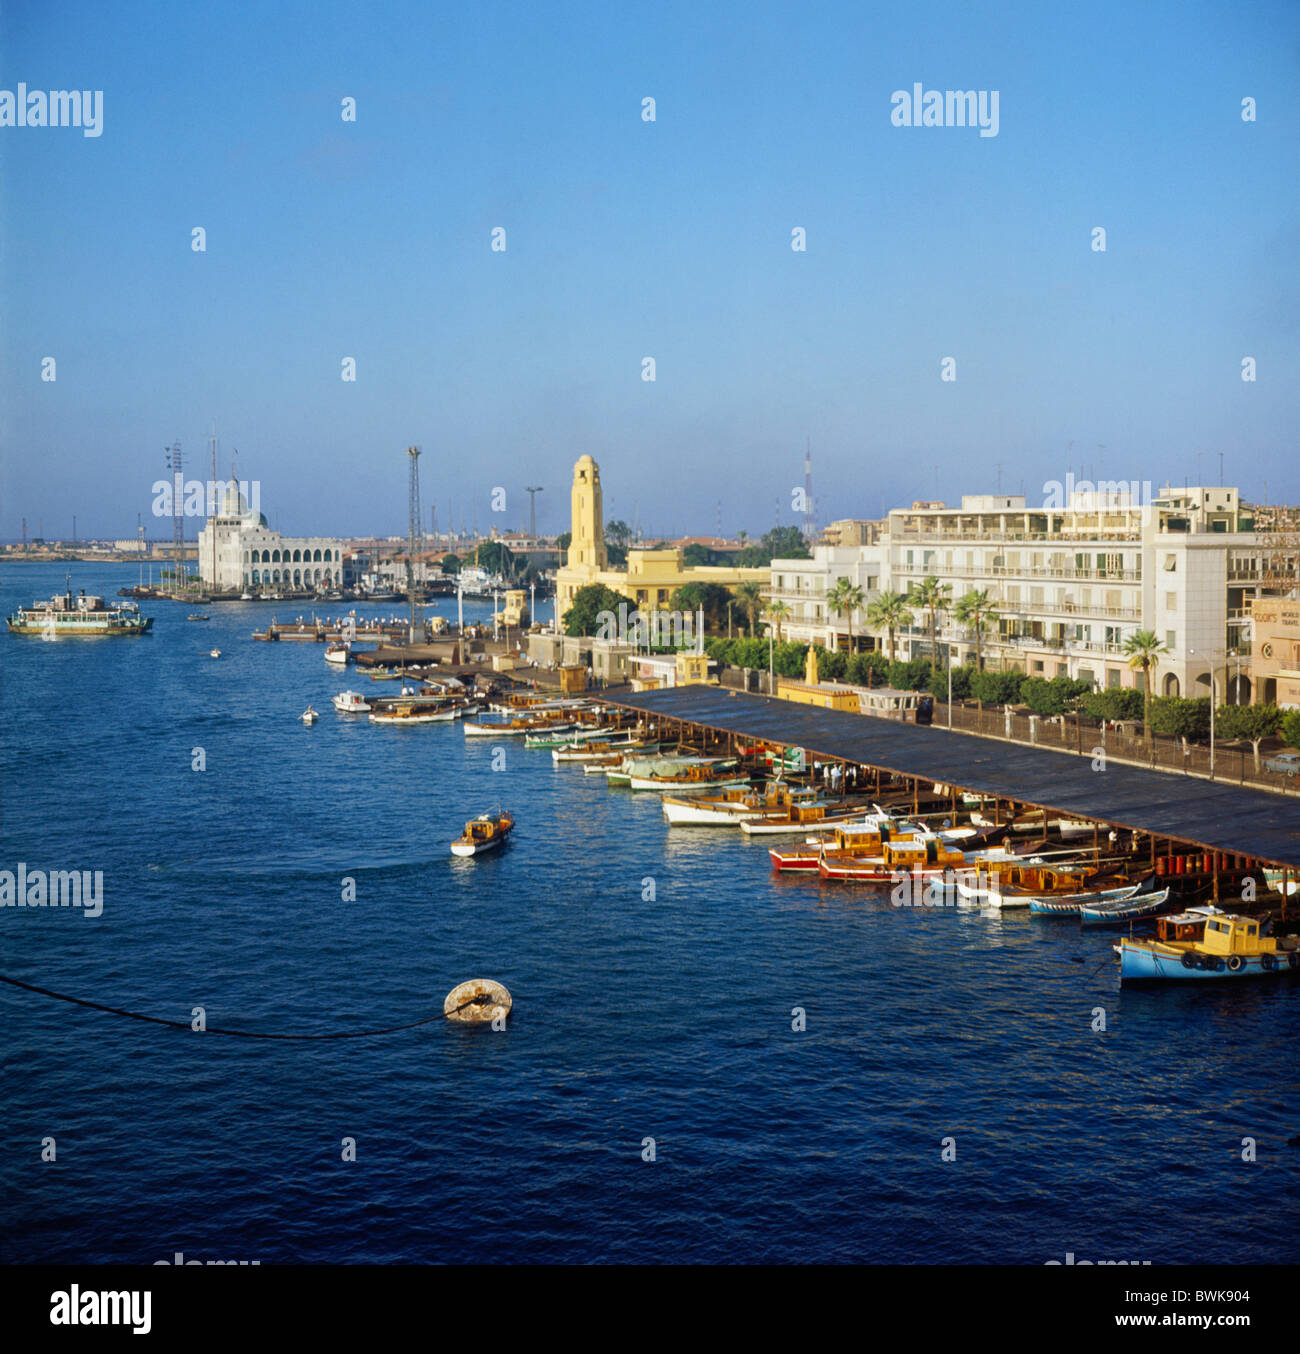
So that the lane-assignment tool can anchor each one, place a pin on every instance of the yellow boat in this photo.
(484, 833)
(1204, 942)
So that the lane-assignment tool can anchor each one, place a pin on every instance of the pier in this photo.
(1226, 830)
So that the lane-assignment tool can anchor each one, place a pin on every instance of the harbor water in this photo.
(953, 1096)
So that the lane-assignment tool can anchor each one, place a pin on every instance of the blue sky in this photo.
(628, 239)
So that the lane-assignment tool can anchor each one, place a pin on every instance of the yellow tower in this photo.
(587, 545)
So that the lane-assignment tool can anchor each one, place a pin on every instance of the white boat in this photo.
(351, 703)
(680, 786)
(309, 715)
(407, 714)
(338, 653)
(216, 653)
(245, 596)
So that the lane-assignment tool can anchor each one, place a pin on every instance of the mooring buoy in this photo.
(479, 1001)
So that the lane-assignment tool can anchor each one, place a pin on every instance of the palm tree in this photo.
(933, 596)
(975, 609)
(843, 600)
(1144, 649)
(889, 612)
(776, 613)
(749, 598)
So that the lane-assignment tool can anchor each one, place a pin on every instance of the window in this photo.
(1038, 665)
(1171, 640)
(1171, 601)
(1112, 678)
(1171, 563)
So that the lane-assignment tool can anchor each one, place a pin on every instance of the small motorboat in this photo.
(484, 833)
(198, 618)
(309, 715)
(215, 653)
(338, 653)
(351, 703)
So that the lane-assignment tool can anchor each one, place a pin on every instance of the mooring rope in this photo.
(482, 999)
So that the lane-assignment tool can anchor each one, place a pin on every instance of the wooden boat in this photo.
(603, 754)
(198, 618)
(733, 807)
(689, 780)
(351, 703)
(485, 833)
(1118, 911)
(1018, 883)
(338, 654)
(572, 736)
(924, 856)
(514, 728)
(1205, 943)
(1069, 829)
(802, 816)
(1274, 879)
(666, 764)
(407, 712)
(864, 838)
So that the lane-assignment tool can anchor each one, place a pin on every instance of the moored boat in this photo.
(407, 712)
(485, 833)
(1119, 911)
(351, 703)
(338, 654)
(1205, 943)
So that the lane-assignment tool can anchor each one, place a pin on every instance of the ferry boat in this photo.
(65, 616)
(351, 703)
(484, 833)
(1204, 942)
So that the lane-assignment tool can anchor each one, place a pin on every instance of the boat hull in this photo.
(1139, 963)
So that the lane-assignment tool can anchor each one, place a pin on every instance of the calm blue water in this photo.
(668, 1019)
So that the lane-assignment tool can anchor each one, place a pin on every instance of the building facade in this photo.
(850, 549)
(249, 556)
(651, 576)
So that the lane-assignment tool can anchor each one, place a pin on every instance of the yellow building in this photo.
(1275, 650)
(651, 576)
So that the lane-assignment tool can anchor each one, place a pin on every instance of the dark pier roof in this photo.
(1202, 813)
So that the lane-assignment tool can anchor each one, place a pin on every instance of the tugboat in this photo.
(65, 615)
(484, 833)
(1204, 942)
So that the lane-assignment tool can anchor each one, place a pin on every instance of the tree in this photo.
(450, 564)
(889, 612)
(563, 540)
(914, 675)
(583, 617)
(695, 556)
(776, 613)
(1178, 718)
(867, 669)
(713, 597)
(784, 543)
(749, 598)
(618, 533)
(843, 600)
(1291, 728)
(932, 596)
(976, 611)
(997, 688)
(1143, 649)
(1116, 702)
(495, 558)
(1253, 723)
(1057, 696)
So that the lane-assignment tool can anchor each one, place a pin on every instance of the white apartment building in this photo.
(249, 555)
(849, 549)
(1071, 583)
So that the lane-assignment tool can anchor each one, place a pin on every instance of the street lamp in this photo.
(1212, 654)
(949, 638)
